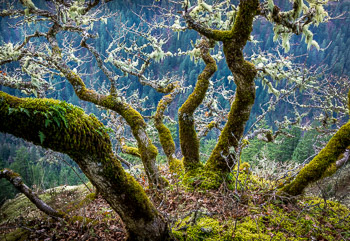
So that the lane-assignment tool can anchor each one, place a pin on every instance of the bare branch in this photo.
(16, 180)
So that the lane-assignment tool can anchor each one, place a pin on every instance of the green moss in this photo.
(271, 222)
(205, 228)
(244, 167)
(176, 166)
(83, 220)
(166, 140)
(66, 128)
(202, 179)
(131, 150)
(18, 235)
(250, 229)
(188, 137)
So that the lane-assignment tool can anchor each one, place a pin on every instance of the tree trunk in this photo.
(188, 137)
(244, 73)
(65, 128)
(165, 137)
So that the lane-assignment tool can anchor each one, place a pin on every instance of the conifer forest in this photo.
(156, 120)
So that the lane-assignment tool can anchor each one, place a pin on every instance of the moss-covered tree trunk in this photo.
(188, 137)
(322, 165)
(165, 137)
(64, 128)
(244, 73)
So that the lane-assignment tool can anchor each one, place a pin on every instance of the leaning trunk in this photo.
(64, 128)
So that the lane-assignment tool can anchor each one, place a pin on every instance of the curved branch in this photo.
(241, 28)
(134, 119)
(188, 136)
(165, 137)
(16, 180)
(207, 32)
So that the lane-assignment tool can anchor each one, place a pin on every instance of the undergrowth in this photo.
(252, 212)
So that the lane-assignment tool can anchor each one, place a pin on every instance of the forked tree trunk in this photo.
(244, 73)
(67, 129)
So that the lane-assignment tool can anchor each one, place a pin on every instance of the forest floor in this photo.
(223, 214)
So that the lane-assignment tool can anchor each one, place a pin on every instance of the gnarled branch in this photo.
(16, 180)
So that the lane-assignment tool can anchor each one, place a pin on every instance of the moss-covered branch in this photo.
(85, 140)
(322, 165)
(165, 137)
(188, 136)
(130, 150)
(204, 132)
(241, 29)
(207, 32)
(134, 119)
(244, 73)
(16, 180)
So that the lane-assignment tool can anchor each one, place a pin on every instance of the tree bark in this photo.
(188, 136)
(16, 180)
(244, 73)
(165, 137)
(84, 139)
